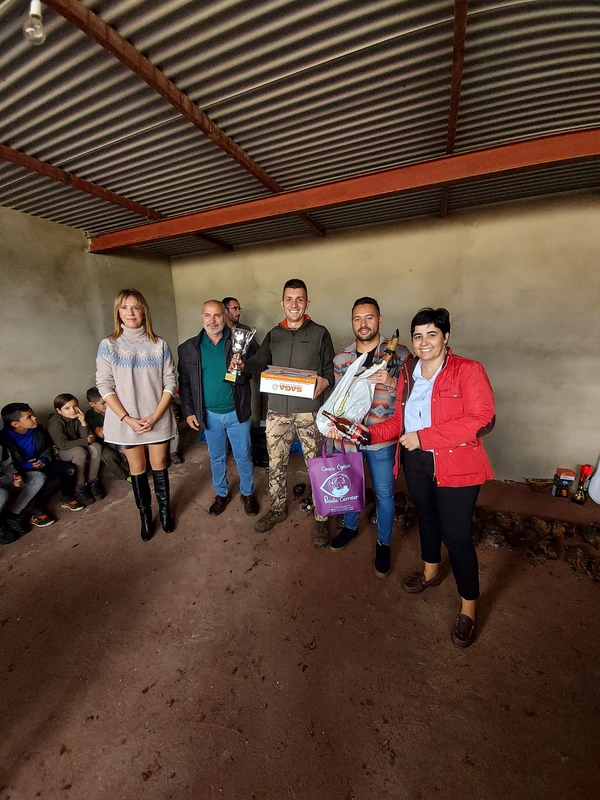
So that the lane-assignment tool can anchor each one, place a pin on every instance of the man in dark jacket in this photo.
(220, 409)
(300, 343)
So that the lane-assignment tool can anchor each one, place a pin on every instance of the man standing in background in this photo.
(233, 313)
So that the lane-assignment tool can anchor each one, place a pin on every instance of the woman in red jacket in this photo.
(447, 406)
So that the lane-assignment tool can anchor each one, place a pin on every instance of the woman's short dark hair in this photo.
(440, 317)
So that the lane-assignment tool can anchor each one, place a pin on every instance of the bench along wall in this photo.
(522, 285)
(56, 304)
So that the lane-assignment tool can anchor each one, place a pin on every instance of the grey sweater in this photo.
(138, 371)
(67, 433)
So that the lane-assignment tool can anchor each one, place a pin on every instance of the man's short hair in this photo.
(93, 395)
(367, 301)
(227, 300)
(294, 283)
(12, 412)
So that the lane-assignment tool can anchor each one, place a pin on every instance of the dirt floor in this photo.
(217, 663)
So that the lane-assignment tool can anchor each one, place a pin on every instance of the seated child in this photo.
(20, 490)
(77, 445)
(29, 447)
(95, 420)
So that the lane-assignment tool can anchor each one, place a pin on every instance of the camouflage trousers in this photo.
(281, 430)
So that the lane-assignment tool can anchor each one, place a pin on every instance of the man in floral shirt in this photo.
(366, 321)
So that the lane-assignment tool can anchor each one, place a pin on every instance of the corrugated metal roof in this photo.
(531, 69)
(314, 91)
(263, 231)
(43, 197)
(532, 183)
(388, 209)
(183, 245)
(358, 113)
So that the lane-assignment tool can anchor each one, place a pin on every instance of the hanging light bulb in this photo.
(33, 30)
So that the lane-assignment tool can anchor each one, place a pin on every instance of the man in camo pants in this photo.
(300, 343)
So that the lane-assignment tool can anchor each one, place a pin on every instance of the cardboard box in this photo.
(565, 474)
(560, 491)
(288, 381)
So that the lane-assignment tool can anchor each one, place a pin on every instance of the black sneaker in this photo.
(83, 495)
(95, 490)
(383, 560)
(13, 523)
(343, 539)
(40, 519)
(72, 504)
(7, 537)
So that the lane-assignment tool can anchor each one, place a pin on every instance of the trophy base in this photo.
(232, 377)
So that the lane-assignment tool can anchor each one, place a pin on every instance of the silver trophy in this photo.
(240, 339)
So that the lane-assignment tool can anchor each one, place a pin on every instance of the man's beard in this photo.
(370, 338)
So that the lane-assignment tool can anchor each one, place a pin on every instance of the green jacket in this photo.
(309, 347)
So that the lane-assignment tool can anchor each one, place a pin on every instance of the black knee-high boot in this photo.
(163, 497)
(143, 500)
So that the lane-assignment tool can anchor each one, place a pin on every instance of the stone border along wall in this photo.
(541, 539)
(538, 539)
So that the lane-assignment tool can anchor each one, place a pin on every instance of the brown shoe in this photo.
(219, 504)
(463, 633)
(320, 535)
(417, 583)
(250, 504)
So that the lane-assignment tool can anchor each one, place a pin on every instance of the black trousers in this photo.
(445, 515)
(59, 475)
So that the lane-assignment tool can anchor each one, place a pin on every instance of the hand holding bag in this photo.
(338, 482)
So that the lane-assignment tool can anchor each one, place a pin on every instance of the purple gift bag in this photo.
(338, 482)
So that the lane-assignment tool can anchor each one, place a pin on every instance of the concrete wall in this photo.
(522, 285)
(56, 304)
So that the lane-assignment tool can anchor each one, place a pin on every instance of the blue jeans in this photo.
(219, 428)
(381, 467)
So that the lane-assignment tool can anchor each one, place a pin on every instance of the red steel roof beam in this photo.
(34, 165)
(108, 38)
(458, 168)
(55, 173)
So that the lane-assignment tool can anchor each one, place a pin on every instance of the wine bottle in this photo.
(350, 429)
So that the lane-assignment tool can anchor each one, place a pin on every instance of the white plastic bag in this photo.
(594, 487)
(352, 397)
